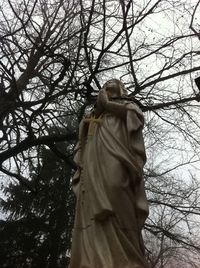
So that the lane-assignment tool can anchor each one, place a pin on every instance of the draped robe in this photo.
(111, 203)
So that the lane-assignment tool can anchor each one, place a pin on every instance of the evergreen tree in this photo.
(38, 230)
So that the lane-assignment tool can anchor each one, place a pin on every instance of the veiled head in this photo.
(115, 88)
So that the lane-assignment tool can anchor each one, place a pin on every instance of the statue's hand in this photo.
(103, 97)
(102, 100)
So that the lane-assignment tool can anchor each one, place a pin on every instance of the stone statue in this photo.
(111, 202)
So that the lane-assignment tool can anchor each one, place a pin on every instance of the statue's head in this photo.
(115, 88)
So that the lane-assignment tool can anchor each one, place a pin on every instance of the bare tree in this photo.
(55, 56)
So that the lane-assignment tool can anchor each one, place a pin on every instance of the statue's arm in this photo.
(104, 104)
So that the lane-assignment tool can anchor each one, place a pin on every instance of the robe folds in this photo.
(111, 205)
